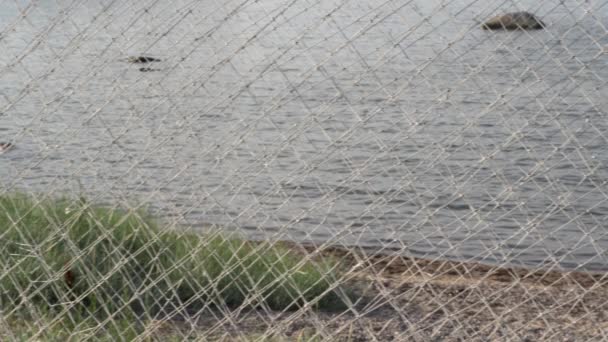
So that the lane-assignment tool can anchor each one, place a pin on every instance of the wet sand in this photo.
(408, 299)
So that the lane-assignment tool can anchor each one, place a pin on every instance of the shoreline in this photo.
(391, 264)
(412, 299)
(399, 298)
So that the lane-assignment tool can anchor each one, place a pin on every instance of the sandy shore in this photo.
(409, 299)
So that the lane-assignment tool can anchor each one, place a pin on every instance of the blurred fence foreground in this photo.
(303, 170)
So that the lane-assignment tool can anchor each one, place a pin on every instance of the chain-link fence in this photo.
(281, 170)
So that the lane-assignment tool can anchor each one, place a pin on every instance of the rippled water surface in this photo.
(392, 125)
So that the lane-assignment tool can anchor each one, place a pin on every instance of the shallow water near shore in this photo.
(391, 126)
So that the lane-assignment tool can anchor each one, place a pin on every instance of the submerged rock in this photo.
(5, 146)
(142, 59)
(514, 21)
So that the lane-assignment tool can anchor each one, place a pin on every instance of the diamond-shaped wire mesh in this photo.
(282, 170)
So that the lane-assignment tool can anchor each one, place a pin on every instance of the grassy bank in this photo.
(98, 266)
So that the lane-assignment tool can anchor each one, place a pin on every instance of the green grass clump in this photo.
(64, 255)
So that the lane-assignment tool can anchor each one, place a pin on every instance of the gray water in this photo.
(397, 126)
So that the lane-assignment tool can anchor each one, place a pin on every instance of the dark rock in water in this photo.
(147, 69)
(142, 59)
(5, 146)
(514, 21)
